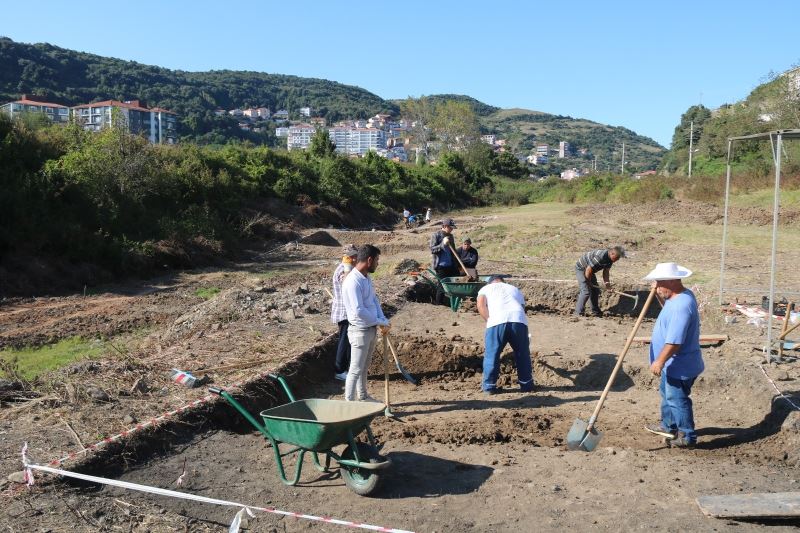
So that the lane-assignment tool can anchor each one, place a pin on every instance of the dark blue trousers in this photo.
(342, 364)
(496, 338)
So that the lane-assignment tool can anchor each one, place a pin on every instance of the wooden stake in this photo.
(785, 327)
(388, 411)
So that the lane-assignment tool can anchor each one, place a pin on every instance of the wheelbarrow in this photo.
(317, 426)
(456, 289)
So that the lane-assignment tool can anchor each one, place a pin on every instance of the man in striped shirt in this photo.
(339, 314)
(586, 272)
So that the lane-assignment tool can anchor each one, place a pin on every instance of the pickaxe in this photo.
(625, 294)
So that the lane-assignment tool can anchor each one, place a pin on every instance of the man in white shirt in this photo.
(365, 316)
(502, 306)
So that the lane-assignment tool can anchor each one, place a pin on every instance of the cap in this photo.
(350, 250)
(449, 222)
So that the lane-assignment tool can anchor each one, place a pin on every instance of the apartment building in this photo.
(542, 149)
(357, 141)
(257, 112)
(564, 149)
(280, 115)
(158, 125)
(299, 136)
(305, 111)
(32, 104)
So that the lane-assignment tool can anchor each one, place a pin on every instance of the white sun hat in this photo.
(665, 271)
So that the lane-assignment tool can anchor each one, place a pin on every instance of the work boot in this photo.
(496, 390)
(680, 441)
(659, 429)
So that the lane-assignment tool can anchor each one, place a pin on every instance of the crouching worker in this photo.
(502, 306)
(675, 354)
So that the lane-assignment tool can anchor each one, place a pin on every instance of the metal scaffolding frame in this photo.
(776, 139)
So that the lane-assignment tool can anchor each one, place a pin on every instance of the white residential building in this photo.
(564, 149)
(536, 159)
(280, 115)
(489, 139)
(31, 104)
(257, 112)
(299, 137)
(236, 112)
(357, 141)
(542, 149)
(305, 111)
(264, 113)
(158, 125)
(571, 174)
(281, 132)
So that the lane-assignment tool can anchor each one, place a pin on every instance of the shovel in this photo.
(400, 368)
(583, 435)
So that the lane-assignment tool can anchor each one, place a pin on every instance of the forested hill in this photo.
(72, 78)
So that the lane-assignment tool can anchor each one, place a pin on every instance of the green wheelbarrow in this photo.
(317, 426)
(456, 289)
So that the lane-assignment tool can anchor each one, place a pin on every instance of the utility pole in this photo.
(623, 158)
(691, 145)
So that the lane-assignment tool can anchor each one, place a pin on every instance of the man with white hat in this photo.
(675, 354)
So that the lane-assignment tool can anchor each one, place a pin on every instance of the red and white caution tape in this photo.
(235, 524)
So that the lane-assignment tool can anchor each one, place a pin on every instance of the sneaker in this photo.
(369, 398)
(341, 377)
(659, 429)
(680, 441)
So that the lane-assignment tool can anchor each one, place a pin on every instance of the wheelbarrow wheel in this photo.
(362, 481)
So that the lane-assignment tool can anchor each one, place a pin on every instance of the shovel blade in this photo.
(579, 438)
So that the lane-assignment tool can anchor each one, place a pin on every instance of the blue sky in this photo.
(633, 64)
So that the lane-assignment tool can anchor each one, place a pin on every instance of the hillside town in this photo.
(382, 134)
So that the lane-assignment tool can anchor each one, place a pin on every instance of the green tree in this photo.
(321, 144)
(456, 125)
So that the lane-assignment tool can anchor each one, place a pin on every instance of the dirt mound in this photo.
(516, 425)
(321, 238)
(406, 265)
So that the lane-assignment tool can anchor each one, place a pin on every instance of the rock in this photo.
(783, 375)
(97, 394)
(7, 385)
(309, 310)
(302, 289)
(792, 423)
(140, 386)
(456, 338)
(556, 488)
(129, 420)
(264, 289)
(288, 314)
(406, 265)
(17, 477)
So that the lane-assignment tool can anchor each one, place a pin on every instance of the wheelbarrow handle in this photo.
(215, 390)
(285, 386)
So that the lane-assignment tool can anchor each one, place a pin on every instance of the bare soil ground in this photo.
(461, 460)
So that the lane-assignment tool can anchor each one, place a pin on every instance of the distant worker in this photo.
(406, 214)
(339, 314)
(442, 260)
(586, 269)
(468, 254)
(675, 354)
(428, 215)
(502, 306)
(365, 317)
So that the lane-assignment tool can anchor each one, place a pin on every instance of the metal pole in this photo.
(691, 145)
(623, 158)
(775, 208)
(725, 223)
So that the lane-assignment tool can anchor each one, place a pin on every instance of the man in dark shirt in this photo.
(442, 260)
(585, 271)
(468, 254)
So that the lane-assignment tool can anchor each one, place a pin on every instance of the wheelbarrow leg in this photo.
(455, 303)
(279, 460)
(317, 465)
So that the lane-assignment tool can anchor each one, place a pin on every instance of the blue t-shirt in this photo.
(679, 323)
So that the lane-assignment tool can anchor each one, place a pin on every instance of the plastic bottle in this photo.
(183, 378)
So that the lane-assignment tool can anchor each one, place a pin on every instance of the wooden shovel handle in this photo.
(386, 369)
(458, 258)
(621, 358)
